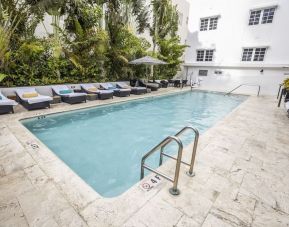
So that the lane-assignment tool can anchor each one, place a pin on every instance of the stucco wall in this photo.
(232, 35)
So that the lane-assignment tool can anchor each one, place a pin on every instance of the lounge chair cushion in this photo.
(105, 91)
(92, 89)
(107, 86)
(6, 102)
(59, 88)
(121, 89)
(63, 92)
(30, 95)
(74, 94)
(138, 88)
(122, 85)
(38, 99)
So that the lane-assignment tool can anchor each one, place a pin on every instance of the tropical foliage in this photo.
(286, 83)
(91, 40)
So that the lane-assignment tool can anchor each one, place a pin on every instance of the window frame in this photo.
(217, 17)
(244, 48)
(205, 55)
(201, 29)
(262, 19)
(259, 54)
(214, 22)
(262, 9)
(198, 50)
(253, 53)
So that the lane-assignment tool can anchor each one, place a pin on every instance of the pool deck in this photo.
(241, 168)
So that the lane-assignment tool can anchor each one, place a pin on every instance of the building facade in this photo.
(235, 42)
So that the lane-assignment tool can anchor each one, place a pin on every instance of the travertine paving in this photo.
(241, 178)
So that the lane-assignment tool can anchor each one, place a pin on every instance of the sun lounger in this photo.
(134, 90)
(31, 99)
(91, 89)
(161, 83)
(6, 105)
(68, 95)
(152, 86)
(116, 91)
(171, 83)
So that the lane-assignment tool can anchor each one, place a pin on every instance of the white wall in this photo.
(232, 35)
(269, 80)
(45, 28)
(183, 7)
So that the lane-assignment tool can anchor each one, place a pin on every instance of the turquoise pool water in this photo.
(104, 145)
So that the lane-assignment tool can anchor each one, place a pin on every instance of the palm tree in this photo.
(118, 17)
(165, 20)
(7, 28)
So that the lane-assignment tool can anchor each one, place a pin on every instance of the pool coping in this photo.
(79, 194)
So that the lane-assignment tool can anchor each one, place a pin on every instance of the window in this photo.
(200, 55)
(259, 54)
(255, 54)
(213, 23)
(204, 24)
(209, 55)
(247, 54)
(203, 72)
(209, 23)
(266, 14)
(205, 55)
(255, 17)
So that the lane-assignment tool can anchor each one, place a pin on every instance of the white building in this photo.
(234, 42)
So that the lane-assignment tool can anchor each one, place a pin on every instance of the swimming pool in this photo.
(104, 145)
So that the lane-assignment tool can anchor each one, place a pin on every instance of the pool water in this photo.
(104, 145)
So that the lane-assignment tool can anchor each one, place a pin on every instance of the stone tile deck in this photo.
(241, 178)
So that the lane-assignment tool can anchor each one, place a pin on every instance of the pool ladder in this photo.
(174, 190)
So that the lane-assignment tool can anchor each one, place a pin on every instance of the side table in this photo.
(91, 97)
(56, 99)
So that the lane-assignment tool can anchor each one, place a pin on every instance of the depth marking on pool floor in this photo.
(151, 183)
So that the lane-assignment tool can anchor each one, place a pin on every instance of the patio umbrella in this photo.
(147, 60)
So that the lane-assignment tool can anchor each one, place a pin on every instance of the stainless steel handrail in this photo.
(174, 190)
(197, 134)
(259, 88)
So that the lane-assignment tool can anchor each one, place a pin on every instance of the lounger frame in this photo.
(5, 109)
(138, 91)
(105, 96)
(121, 93)
(32, 106)
(71, 100)
(149, 85)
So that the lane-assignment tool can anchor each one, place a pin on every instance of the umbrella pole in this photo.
(147, 77)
